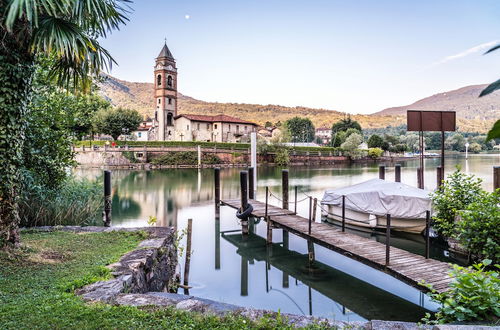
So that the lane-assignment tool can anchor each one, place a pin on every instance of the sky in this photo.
(355, 56)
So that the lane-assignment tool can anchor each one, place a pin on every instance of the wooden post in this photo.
(397, 173)
(188, 256)
(250, 183)
(388, 240)
(295, 206)
(217, 189)
(427, 232)
(496, 177)
(244, 200)
(267, 200)
(284, 183)
(313, 218)
(439, 177)
(310, 215)
(107, 198)
(419, 178)
(381, 172)
(343, 213)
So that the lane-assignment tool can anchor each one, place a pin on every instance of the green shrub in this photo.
(478, 230)
(185, 158)
(73, 202)
(474, 295)
(455, 194)
(375, 153)
(282, 156)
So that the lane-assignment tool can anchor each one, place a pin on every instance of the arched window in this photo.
(158, 80)
(169, 81)
(170, 119)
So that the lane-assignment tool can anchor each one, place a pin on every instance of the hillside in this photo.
(473, 114)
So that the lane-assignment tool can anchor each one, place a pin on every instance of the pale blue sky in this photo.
(354, 56)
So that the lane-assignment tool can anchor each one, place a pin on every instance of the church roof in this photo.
(165, 52)
(215, 119)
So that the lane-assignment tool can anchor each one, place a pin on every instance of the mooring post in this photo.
(268, 221)
(188, 256)
(313, 218)
(199, 156)
(250, 183)
(381, 172)
(284, 183)
(388, 240)
(244, 200)
(310, 214)
(343, 213)
(419, 178)
(217, 189)
(439, 177)
(295, 206)
(267, 198)
(397, 173)
(107, 198)
(427, 233)
(496, 177)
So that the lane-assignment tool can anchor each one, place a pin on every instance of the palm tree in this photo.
(67, 31)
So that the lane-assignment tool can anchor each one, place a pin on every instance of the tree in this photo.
(338, 138)
(375, 141)
(456, 142)
(300, 129)
(68, 32)
(115, 121)
(352, 142)
(475, 147)
(345, 124)
(268, 124)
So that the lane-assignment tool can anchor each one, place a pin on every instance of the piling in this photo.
(427, 233)
(496, 177)
(343, 213)
(381, 172)
(419, 178)
(188, 256)
(244, 200)
(397, 173)
(388, 240)
(107, 198)
(268, 221)
(250, 183)
(199, 156)
(439, 177)
(284, 183)
(217, 189)
(295, 204)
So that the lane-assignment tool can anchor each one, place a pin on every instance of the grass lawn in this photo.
(38, 280)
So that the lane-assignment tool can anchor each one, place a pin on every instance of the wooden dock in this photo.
(405, 266)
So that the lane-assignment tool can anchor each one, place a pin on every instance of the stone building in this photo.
(324, 134)
(169, 126)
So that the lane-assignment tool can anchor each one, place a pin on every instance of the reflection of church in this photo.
(168, 126)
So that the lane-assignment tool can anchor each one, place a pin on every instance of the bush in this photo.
(455, 194)
(73, 202)
(185, 158)
(282, 156)
(474, 295)
(375, 152)
(478, 230)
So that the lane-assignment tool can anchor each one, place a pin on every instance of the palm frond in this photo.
(100, 17)
(492, 49)
(490, 88)
(30, 10)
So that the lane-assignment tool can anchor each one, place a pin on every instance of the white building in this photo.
(324, 134)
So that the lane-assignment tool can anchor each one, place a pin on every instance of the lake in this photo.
(241, 271)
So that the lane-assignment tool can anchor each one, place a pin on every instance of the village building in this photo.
(167, 125)
(324, 134)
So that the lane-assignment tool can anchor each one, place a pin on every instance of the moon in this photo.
(187, 16)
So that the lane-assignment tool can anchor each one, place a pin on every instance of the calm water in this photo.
(228, 268)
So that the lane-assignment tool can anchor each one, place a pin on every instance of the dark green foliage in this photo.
(375, 141)
(457, 192)
(474, 296)
(185, 158)
(300, 129)
(345, 124)
(478, 230)
(115, 122)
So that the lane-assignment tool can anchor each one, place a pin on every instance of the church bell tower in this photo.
(165, 94)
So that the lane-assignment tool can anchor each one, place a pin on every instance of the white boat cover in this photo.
(380, 197)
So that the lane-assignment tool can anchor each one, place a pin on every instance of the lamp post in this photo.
(466, 150)
(125, 132)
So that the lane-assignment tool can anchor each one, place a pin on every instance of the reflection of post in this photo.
(310, 301)
(285, 245)
(107, 198)
(244, 276)
(217, 241)
(188, 256)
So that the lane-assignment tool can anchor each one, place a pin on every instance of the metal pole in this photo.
(397, 172)
(199, 156)
(496, 177)
(244, 200)
(381, 172)
(427, 230)
(442, 148)
(388, 240)
(343, 213)
(439, 177)
(284, 183)
(107, 198)
(295, 206)
(250, 183)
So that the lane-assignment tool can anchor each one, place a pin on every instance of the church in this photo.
(168, 125)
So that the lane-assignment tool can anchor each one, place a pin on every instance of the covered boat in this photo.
(368, 203)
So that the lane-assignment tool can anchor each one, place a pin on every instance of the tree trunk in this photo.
(16, 72)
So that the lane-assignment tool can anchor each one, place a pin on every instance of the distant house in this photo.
(324, 134)
(142, 132)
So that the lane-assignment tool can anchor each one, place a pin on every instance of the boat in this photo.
(368, 203)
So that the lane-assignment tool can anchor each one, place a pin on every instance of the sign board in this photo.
(427, 121)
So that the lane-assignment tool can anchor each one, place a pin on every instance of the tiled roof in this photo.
(165, 52)
(215, 119)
